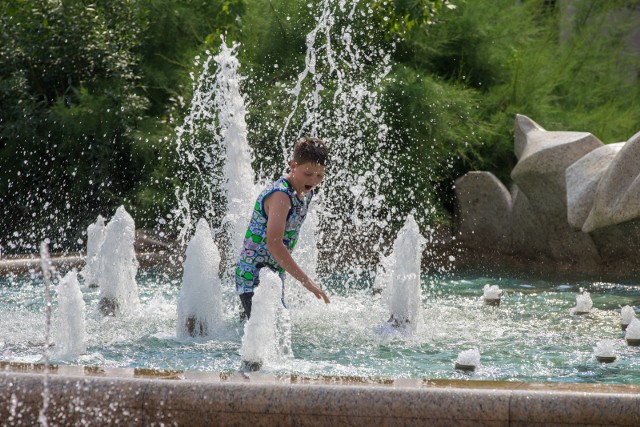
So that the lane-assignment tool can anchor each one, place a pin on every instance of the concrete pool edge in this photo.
(105, 396)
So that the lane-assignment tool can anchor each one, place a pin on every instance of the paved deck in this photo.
(106, 396)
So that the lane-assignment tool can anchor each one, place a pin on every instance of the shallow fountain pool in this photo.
(531, 336)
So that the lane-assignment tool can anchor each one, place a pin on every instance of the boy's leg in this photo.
(247, 278)
(245, 299)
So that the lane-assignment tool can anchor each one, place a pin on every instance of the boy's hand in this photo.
(319, 293)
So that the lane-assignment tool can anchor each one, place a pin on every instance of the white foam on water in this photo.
(69, 319)
(200, 297)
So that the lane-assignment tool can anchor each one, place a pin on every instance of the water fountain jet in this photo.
(632, 334)
(605, 352)
(264, 342)
(468, 360)
(583, 304)
(627, 314)
(118, 266)
(69, 319)
(403, 290)
(95, 239)
(491, 295)
(199, 302)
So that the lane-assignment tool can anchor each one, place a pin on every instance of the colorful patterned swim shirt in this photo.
(254, 253)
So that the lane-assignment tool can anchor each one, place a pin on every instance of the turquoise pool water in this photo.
(531, 336)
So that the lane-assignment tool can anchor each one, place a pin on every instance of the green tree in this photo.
(69, 72)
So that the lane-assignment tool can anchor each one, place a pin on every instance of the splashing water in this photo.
(69, 320)
(118, 266)
(334, 89)
(306, 256)
(200, 300)
(213, 147)
(47, 270)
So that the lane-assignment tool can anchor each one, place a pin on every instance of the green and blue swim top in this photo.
(254, 254)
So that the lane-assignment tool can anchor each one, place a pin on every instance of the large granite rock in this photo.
(582, 179)
(528, 238)
(617, 198)
(524, 126)
(574, 201)
(484, 210)
(619, 244)
(540, 175)
(540, 171)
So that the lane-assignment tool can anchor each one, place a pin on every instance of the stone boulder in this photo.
(536, 236)
(582, 180)
(574, 201)
(618, 244)
(527, 238)
(483, 212)
(540, 171)
(617, 197)
(524, 126)
(541, 175)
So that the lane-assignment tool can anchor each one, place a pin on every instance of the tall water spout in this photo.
(199, 303)
(69, 319)
(342, 65)
(118, 266)
(264, 341)
(216, 156)
(95, 238)
(47, 271)
(403, 292)
(239, 182)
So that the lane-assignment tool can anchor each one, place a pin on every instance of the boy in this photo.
(276, 220)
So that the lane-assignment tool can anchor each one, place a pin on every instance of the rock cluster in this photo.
(573, 199)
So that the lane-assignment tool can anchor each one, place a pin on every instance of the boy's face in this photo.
(306, 176)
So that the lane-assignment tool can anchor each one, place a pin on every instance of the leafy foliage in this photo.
(91, 93)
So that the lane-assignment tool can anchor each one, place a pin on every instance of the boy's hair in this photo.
(310, 150)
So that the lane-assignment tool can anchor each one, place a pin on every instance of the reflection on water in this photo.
(531, 336)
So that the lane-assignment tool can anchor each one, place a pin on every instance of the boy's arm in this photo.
(277, 207)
